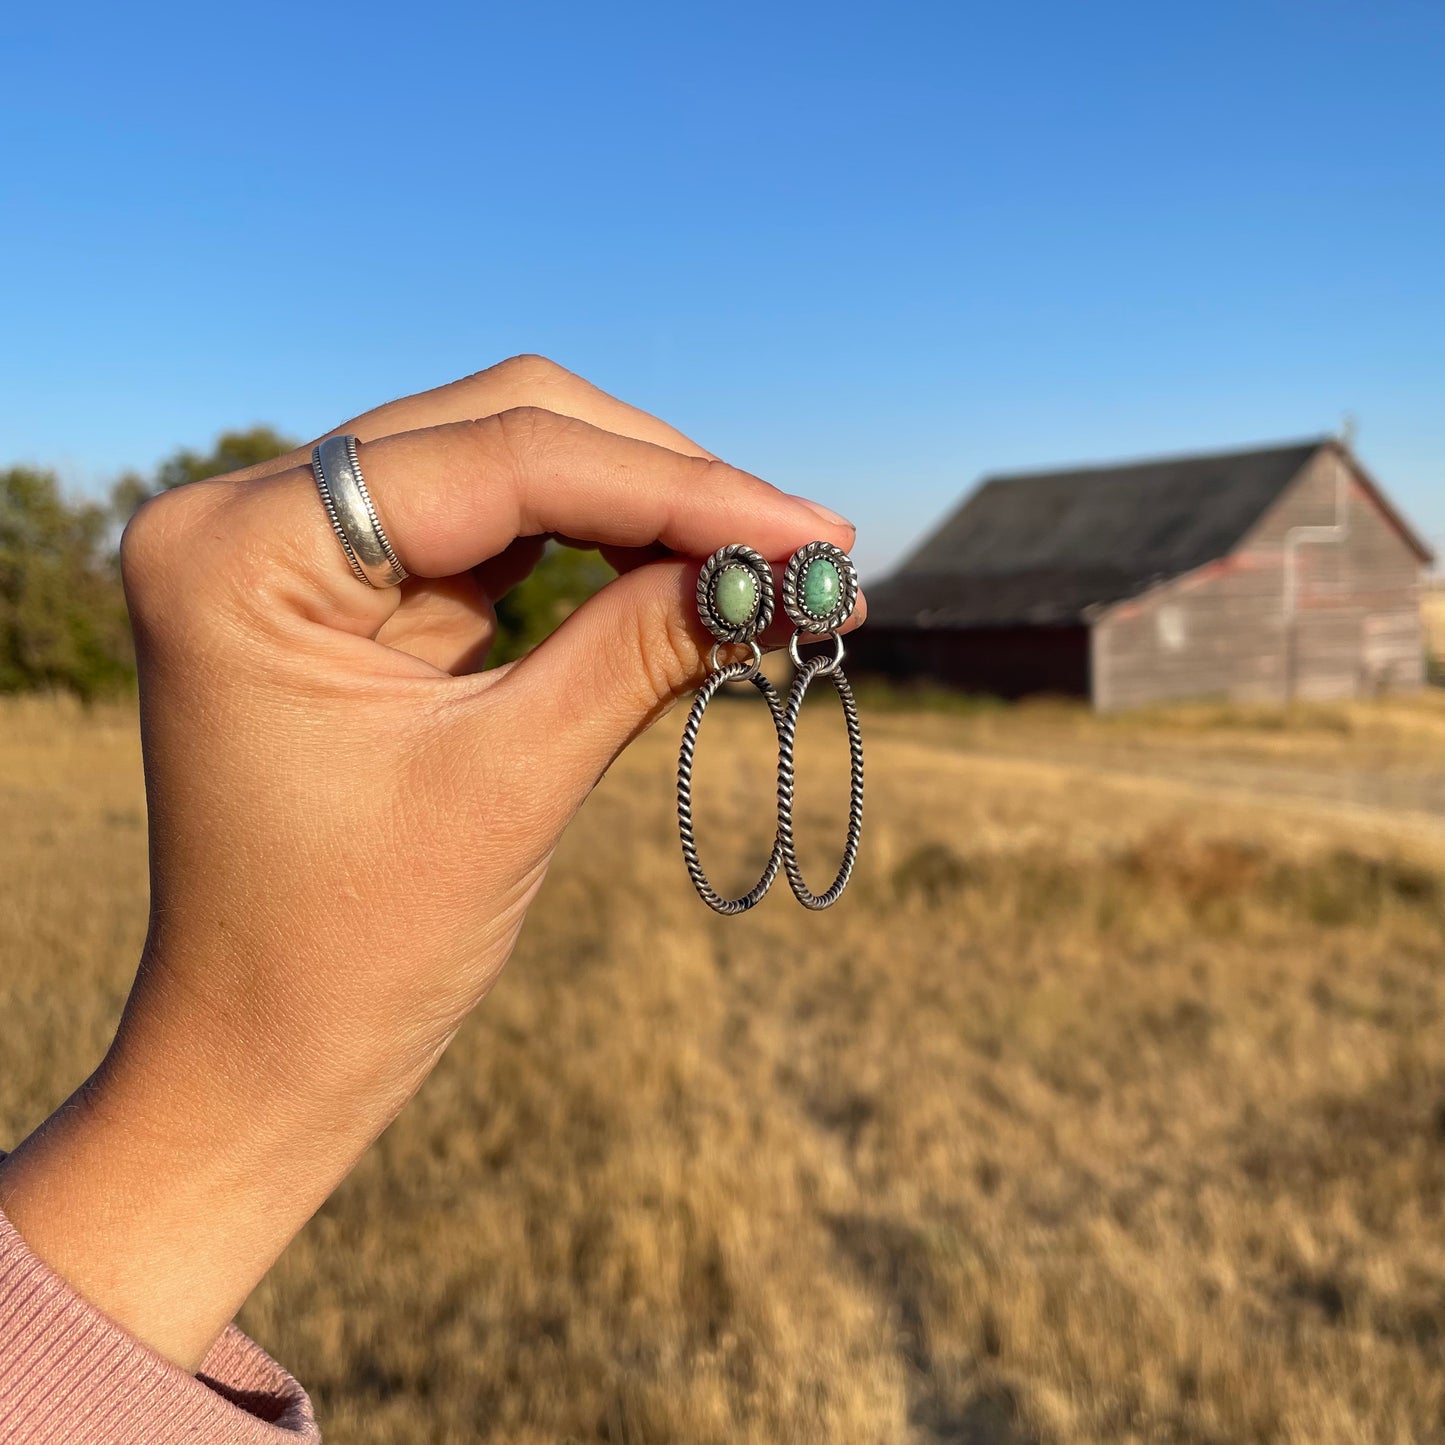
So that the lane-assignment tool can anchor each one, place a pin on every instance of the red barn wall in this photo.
(1006, 662)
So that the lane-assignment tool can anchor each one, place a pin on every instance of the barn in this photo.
(1266, 574)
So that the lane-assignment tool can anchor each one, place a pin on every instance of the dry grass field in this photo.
(1434, 607)
(1109, 1105)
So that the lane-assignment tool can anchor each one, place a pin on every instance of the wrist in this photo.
(172, 1180)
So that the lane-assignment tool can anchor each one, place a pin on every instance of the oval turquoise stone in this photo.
(735, 595)
(821, 587)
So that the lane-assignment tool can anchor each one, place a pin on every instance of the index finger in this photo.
(516, 382)
(452, 496)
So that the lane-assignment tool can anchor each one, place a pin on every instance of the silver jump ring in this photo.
(832, 663)
(787, 733)
(337, 469)
(734, 672)
(753, 667)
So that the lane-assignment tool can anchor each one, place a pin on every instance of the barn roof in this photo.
(1041, 548)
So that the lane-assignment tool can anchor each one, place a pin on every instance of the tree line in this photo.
(63, 622)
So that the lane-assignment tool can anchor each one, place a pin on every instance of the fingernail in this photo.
(819, 510)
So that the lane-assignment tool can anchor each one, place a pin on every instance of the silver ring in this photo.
(353, 516)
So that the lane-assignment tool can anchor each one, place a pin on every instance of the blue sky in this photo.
(869, 251)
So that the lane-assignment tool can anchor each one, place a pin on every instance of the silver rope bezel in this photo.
(794, 575)
(735, 554)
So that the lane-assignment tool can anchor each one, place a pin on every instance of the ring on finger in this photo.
(337, 469)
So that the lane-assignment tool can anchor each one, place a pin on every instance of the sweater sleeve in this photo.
(69, 1375)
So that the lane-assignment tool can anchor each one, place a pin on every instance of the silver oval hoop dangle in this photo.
(734, 672)
(787, 734)
(820, 590)
(735, 601)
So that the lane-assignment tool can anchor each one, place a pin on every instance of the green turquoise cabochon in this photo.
(735, 594)
(820, 587)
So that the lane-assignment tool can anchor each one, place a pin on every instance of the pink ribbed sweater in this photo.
(71, 1376)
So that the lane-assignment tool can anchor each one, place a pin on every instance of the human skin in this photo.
(348, 818)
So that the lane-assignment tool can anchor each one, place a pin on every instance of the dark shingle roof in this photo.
(1041, 548)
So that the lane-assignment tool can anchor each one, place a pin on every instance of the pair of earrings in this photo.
(735, 600)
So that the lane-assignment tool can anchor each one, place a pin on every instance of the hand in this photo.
(348, 819)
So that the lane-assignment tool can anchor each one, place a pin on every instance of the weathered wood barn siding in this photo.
(1223, 630)
(1358, 628)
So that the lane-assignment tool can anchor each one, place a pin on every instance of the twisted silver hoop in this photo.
(787, 733)
(337, 469)
(734, 672)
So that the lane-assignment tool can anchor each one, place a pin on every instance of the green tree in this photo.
(232, 451)
(62, 612)
(560, 583)
(63, 622)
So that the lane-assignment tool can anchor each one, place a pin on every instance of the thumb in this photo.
(612, 668)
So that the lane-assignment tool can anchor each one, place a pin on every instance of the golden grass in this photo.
(1109, 1105)
(1434, 609)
